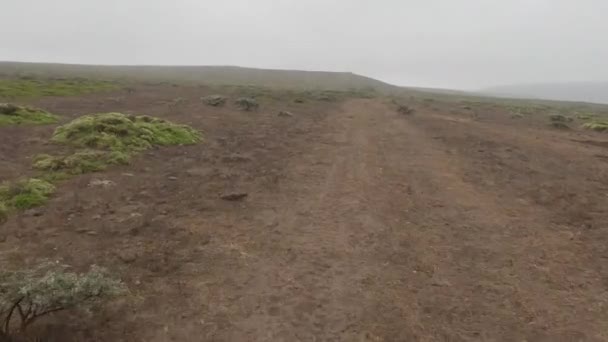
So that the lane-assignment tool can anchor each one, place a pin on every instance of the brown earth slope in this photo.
(361, 224)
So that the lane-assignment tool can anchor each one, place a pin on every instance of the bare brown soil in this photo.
(360, 224)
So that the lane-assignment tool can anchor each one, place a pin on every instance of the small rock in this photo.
(173, 178)
(205, 240)
(34, 212)
(101, 182)
(96, 217)
(83, 230)
(234, 196)
(127, 174)
(441, 283)
(285, 114)
(127, 256)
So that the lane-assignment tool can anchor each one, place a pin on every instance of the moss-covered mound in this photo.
(119, 132)
(11, 114)
(599, 126)
(24, 194)
(81, 162)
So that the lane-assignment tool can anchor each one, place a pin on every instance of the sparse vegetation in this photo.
(81, 162)
(25, 193)
(109, 139)
(247, 103)
(119, 132)
(405, 110)
(585, 116)
(29, 88)
(28, 294)
(214, 100)
(598, 126)
(560, 118)
(11, 114)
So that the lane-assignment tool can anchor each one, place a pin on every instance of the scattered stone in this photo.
(172, 178)
(234, 196)
(8, 109)
(127, 174)
(36, 212)
(96, 217)
(284, 113)
(101, 183)
(127, 255)
(83, 230)
(441, 283)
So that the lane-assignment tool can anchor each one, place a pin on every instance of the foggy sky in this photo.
(465, 44)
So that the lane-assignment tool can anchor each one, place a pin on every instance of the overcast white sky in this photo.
(464, 44)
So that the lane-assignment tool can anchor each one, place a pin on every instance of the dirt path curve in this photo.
(383, 231)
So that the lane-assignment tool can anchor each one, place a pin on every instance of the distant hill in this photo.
(596, 92)
(218, 75)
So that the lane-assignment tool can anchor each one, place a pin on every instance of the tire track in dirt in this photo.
(314, 273)
(377, 234)
(518, 271)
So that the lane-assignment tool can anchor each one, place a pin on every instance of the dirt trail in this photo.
(383, 231)
(361, 225)
(380, 233)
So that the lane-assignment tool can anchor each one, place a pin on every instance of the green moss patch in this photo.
(11, 114)
(29, 88)
(599, 126)
(110, 139)
(25, 193)
(119, 132)
(81, 162)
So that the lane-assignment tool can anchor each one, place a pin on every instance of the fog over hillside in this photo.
(596, 92)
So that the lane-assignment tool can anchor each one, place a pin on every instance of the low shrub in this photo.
(405, 110)
(28, 294)
(214, 100)
(560, 118)
(247, 103)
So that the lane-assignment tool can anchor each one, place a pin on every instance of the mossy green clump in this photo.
(11, 114)
(598, 126)
(81, 162)
(119, 132)
(25, 193)
(586, 116)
